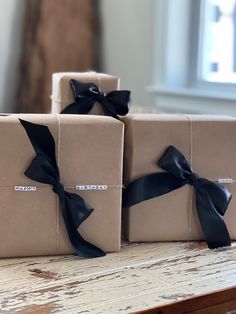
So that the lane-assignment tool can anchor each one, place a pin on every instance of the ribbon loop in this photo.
(86, 94)
(83, 90)
(212, 199)
(44, 169)
(174, 162)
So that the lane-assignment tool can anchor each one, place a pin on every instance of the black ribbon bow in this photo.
(212, 199)
(86, 94)
(44, 169)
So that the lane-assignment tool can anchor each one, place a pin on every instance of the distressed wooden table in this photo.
(152, 277)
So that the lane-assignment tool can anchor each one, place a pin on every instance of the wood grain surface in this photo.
(58, 36)
(140, 277)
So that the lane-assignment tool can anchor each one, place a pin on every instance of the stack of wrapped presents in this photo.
(74, 180)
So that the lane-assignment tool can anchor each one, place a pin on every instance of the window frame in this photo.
(176, 85)
(198, 81)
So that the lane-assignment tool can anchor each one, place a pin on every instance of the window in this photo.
(218, 41)
(195, 56)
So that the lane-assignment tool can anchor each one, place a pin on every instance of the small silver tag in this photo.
(25, 188)
(91, 187)
(225, 180)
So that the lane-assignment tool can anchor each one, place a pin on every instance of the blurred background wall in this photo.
(127, 44)
(11, 26)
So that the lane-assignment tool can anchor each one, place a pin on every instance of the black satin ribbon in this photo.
(86, 94)
(44, 169)
(212, 199)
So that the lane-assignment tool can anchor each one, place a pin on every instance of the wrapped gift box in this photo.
(89, 152)
(207, 143)
(62, 94)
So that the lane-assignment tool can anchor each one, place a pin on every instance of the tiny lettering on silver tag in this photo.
(91, 187)
(25, 188)
(225, 180)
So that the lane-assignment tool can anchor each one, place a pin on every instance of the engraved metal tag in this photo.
(225, 180)
(91, 187)
(25, 188)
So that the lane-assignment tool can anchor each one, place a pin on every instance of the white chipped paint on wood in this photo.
(141, 276)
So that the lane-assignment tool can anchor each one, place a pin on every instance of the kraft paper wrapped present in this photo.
(40, 184)
(88, 93)
(186, 207)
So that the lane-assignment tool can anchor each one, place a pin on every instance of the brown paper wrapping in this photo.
(208, 144)
(90, 152)
(62, 95)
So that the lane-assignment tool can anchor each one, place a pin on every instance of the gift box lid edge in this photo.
(61, 75)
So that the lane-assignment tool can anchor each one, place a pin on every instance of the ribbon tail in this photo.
(219, 193)
(150, 186)
(84, 248)
(75, 210)
(42, 141)
(212, 223)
